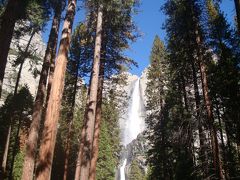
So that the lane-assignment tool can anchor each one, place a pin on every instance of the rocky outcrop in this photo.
(37, 48)
(135, 151)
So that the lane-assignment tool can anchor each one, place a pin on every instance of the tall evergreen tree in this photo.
(31, 146)
(53, 108)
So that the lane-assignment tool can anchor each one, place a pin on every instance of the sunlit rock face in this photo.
(38, 47)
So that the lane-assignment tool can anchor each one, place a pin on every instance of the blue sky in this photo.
(150, 21)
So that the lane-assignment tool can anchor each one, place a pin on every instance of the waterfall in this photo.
(134, 124)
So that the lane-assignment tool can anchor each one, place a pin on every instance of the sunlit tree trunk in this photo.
(48, 141)
(85, 151)
(8, 21)
(95, 149)
(4, 162)
(31, 146)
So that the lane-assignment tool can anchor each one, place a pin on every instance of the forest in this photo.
(70, 109)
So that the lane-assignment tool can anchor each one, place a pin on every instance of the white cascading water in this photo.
(122, 170)
(134, 124)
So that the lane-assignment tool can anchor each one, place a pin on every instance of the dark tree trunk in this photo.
(8, 21)
(208, 103)
(47, 145)
(22, 59)
(237, 7)
(202, 138)
(31, 146)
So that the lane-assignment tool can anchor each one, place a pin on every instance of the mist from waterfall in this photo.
(134, 123)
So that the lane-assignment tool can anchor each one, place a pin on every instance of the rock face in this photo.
(136, 150)
(37, 48)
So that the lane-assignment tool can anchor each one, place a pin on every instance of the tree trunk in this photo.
(70, 123)
(47, 145)
(213, 132)
(202, 138)
(208, 104)
(31, 145)
(8, 21)
(95, 149)
(237, 7)
(22, 59)
(15, 92)
(85, 151)
(222, 140)
(4, 162)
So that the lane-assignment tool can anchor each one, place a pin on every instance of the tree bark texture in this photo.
(31, 145)
(95, 149)
(85, 152)
(47, 145)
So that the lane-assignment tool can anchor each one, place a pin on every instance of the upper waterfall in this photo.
(134, 124)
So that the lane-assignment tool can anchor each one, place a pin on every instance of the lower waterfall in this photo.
(134, 123)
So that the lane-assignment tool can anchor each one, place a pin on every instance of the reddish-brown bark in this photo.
(95, 148)
(47, 145)
(208, 104)
(31, 145)
(85, 151)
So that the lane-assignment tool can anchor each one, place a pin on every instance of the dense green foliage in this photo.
(16, 111)
(109, 141)
(198, 36)
(135, 172)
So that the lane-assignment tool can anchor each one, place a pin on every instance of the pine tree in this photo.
(83, 164)
(15, 11)
(155, 104)
(113, 61)
(16, 110)
(224, 74)
(31, 146)
(11, 14)
(53, 108)
(36, 23)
